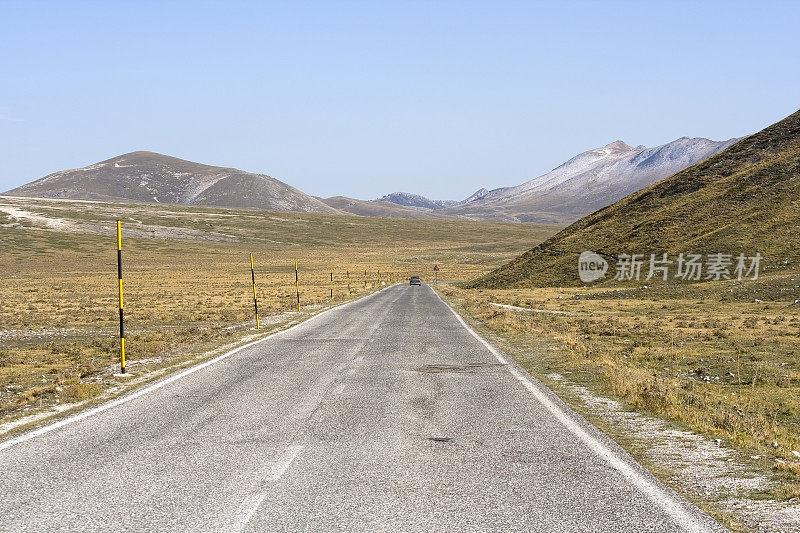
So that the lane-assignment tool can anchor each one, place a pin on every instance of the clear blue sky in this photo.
(365, 98)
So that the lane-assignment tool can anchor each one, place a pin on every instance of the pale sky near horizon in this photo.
(361, 99)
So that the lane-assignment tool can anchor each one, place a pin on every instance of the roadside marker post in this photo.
(349, 292)
(365, 279)
(297, 284)
(255, 296)
(121, 303)
(331, 282)
(379, 277)
(435, 274)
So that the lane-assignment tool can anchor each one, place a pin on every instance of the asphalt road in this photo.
(386, 414)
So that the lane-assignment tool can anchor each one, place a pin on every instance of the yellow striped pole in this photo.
(365, 278)
(297, 284)
(255, 296)
(349, 292)
(121, 304)
(331, 282)
(379, 277)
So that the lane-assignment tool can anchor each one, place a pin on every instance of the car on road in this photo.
(414, 280)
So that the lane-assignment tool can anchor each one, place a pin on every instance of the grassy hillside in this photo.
(745, 199)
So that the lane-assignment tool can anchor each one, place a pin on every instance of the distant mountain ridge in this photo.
(416, 200)
(589, 181)
(379, 208)
(150, 177)
(477, 195)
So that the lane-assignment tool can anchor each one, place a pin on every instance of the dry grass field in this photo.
(718, 365)
(187, 282)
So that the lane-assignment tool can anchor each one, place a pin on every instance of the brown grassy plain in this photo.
(187, 282)
(724, 368)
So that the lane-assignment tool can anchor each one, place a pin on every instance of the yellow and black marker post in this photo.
(331, 282)
(297, 284)
(379, 277)
(365, 279)
(349, 292)
(255, 295)
(121, 305)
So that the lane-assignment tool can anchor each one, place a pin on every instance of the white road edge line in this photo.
(251, 504)
(166, 381)
(656, 494)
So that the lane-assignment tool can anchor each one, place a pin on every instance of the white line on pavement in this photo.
(659, 496)
(251, 504)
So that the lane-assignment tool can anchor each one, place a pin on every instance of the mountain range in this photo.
(744, 200)
(583, 184)
(588, 181)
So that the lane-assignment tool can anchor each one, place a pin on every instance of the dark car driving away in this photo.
(414, 280)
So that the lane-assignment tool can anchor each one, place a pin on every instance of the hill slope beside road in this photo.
(155, 178)
(742, 200)
(363, 418)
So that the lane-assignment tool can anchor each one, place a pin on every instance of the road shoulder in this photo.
(715, 478)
